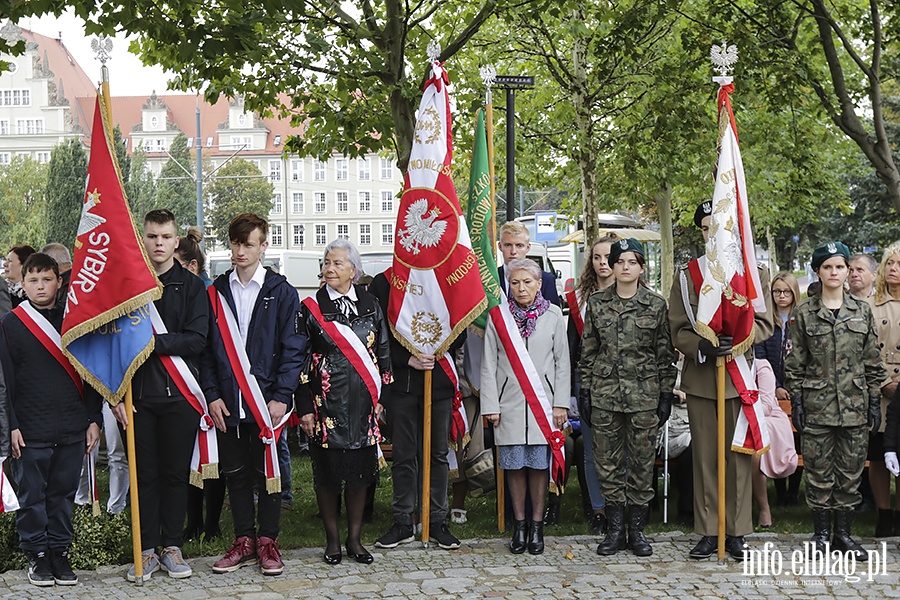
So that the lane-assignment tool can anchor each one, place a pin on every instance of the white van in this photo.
(301, 267)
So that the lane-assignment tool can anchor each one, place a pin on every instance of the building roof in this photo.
(181, 114)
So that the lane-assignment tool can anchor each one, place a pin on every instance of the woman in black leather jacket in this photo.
(339, 398)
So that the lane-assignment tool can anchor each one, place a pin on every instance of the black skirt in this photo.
(335, 468)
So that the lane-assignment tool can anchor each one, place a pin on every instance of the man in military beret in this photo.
(698, 382)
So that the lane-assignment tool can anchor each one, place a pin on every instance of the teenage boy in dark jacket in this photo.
(266, 311)
(166, 423)
(53, 418)
(404, 413)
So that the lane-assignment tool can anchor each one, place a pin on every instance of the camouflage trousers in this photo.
(834, 459)
(624, 452)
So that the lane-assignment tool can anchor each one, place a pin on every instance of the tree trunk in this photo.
(773, 259)
(587, 154)
(404, 127)
(666, 233)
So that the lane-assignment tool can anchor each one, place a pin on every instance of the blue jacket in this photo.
(774, 350)
(275, 347)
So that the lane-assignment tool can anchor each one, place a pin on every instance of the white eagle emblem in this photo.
(89, 221)
(421, 228)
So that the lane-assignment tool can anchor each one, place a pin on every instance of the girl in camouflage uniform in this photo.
(834, 376)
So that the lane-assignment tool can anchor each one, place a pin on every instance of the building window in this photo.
(364, 169)
(297, 203)
(154, 122)
(387, 201)
(387, 234)
(318, 171)
(276, 204)
(241, 142)
(343, 231)
(274, 170)
(387, 168)
(365, 202)
(43, 157)
(321, 236)
(340, 169)
(29, 126)
(5, 158)
(298, 235)
(15, 98)
(296, 169)
(275, 234)
(4, 126)
(319, 203)
(343, 202)
(365, 234)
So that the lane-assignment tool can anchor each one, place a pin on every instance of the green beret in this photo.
(826, 251)
(624, 245)
(704, 210)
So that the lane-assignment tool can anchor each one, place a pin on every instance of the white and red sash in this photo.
(49, 338)
(8, 500)
(249, 386)
(751, 435)
(351, 347)
(459, 420)
(530, 382)
(205, 458)
(577, 311)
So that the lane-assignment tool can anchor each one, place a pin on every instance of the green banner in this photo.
(479, 217)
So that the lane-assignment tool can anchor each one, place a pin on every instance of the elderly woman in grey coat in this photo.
(522, 448)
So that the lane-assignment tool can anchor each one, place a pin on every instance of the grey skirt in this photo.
(512, 458)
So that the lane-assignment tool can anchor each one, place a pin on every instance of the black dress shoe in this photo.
(518, 543)
(333, 559)
(363, 558)
(705, 548)
(735, 546)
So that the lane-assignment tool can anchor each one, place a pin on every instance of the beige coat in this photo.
(887, 324)
(500, 390)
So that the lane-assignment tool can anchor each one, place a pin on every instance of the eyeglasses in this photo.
(782, 293)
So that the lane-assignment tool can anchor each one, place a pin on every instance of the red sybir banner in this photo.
(731, 292)
(435, 285)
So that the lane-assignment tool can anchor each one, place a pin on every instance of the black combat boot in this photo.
(536, 538)
(517, 545)
(615, 531)
(637, 541)
(821, 529)
(843, 520)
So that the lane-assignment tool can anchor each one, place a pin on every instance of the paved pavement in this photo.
(569, 568)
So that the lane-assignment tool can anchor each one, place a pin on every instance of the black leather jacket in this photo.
(330, 387)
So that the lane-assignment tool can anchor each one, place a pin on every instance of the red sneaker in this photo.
(241, 553)
(269, 557)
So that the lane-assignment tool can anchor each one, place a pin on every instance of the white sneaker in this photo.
(458, 515)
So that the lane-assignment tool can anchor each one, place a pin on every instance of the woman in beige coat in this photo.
(522, 448)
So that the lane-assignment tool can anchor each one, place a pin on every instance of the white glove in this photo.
(890, 461)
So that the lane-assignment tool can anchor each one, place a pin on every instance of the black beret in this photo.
(826, 251)
(704, 210)
(624, 245)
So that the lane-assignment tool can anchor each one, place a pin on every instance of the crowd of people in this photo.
(244, 350)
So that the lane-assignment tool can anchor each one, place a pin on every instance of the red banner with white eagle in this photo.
(731, 292)
(436, 288)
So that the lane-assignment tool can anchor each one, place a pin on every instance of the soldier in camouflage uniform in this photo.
(628, 373)
(834, 376)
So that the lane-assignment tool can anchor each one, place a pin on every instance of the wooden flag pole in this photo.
(720, 455)
(426, 461)
(132, 478)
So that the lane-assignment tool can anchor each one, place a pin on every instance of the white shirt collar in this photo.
(259, 276)
(333, 294)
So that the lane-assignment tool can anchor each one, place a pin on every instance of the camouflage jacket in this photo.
(627, 357)
(835, 366)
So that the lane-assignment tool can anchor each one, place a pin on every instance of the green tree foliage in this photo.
(140, 189)
(65, 192)
(122, 157)
(22, 189)
(237, 187)
(342, 70)
(175, 187)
